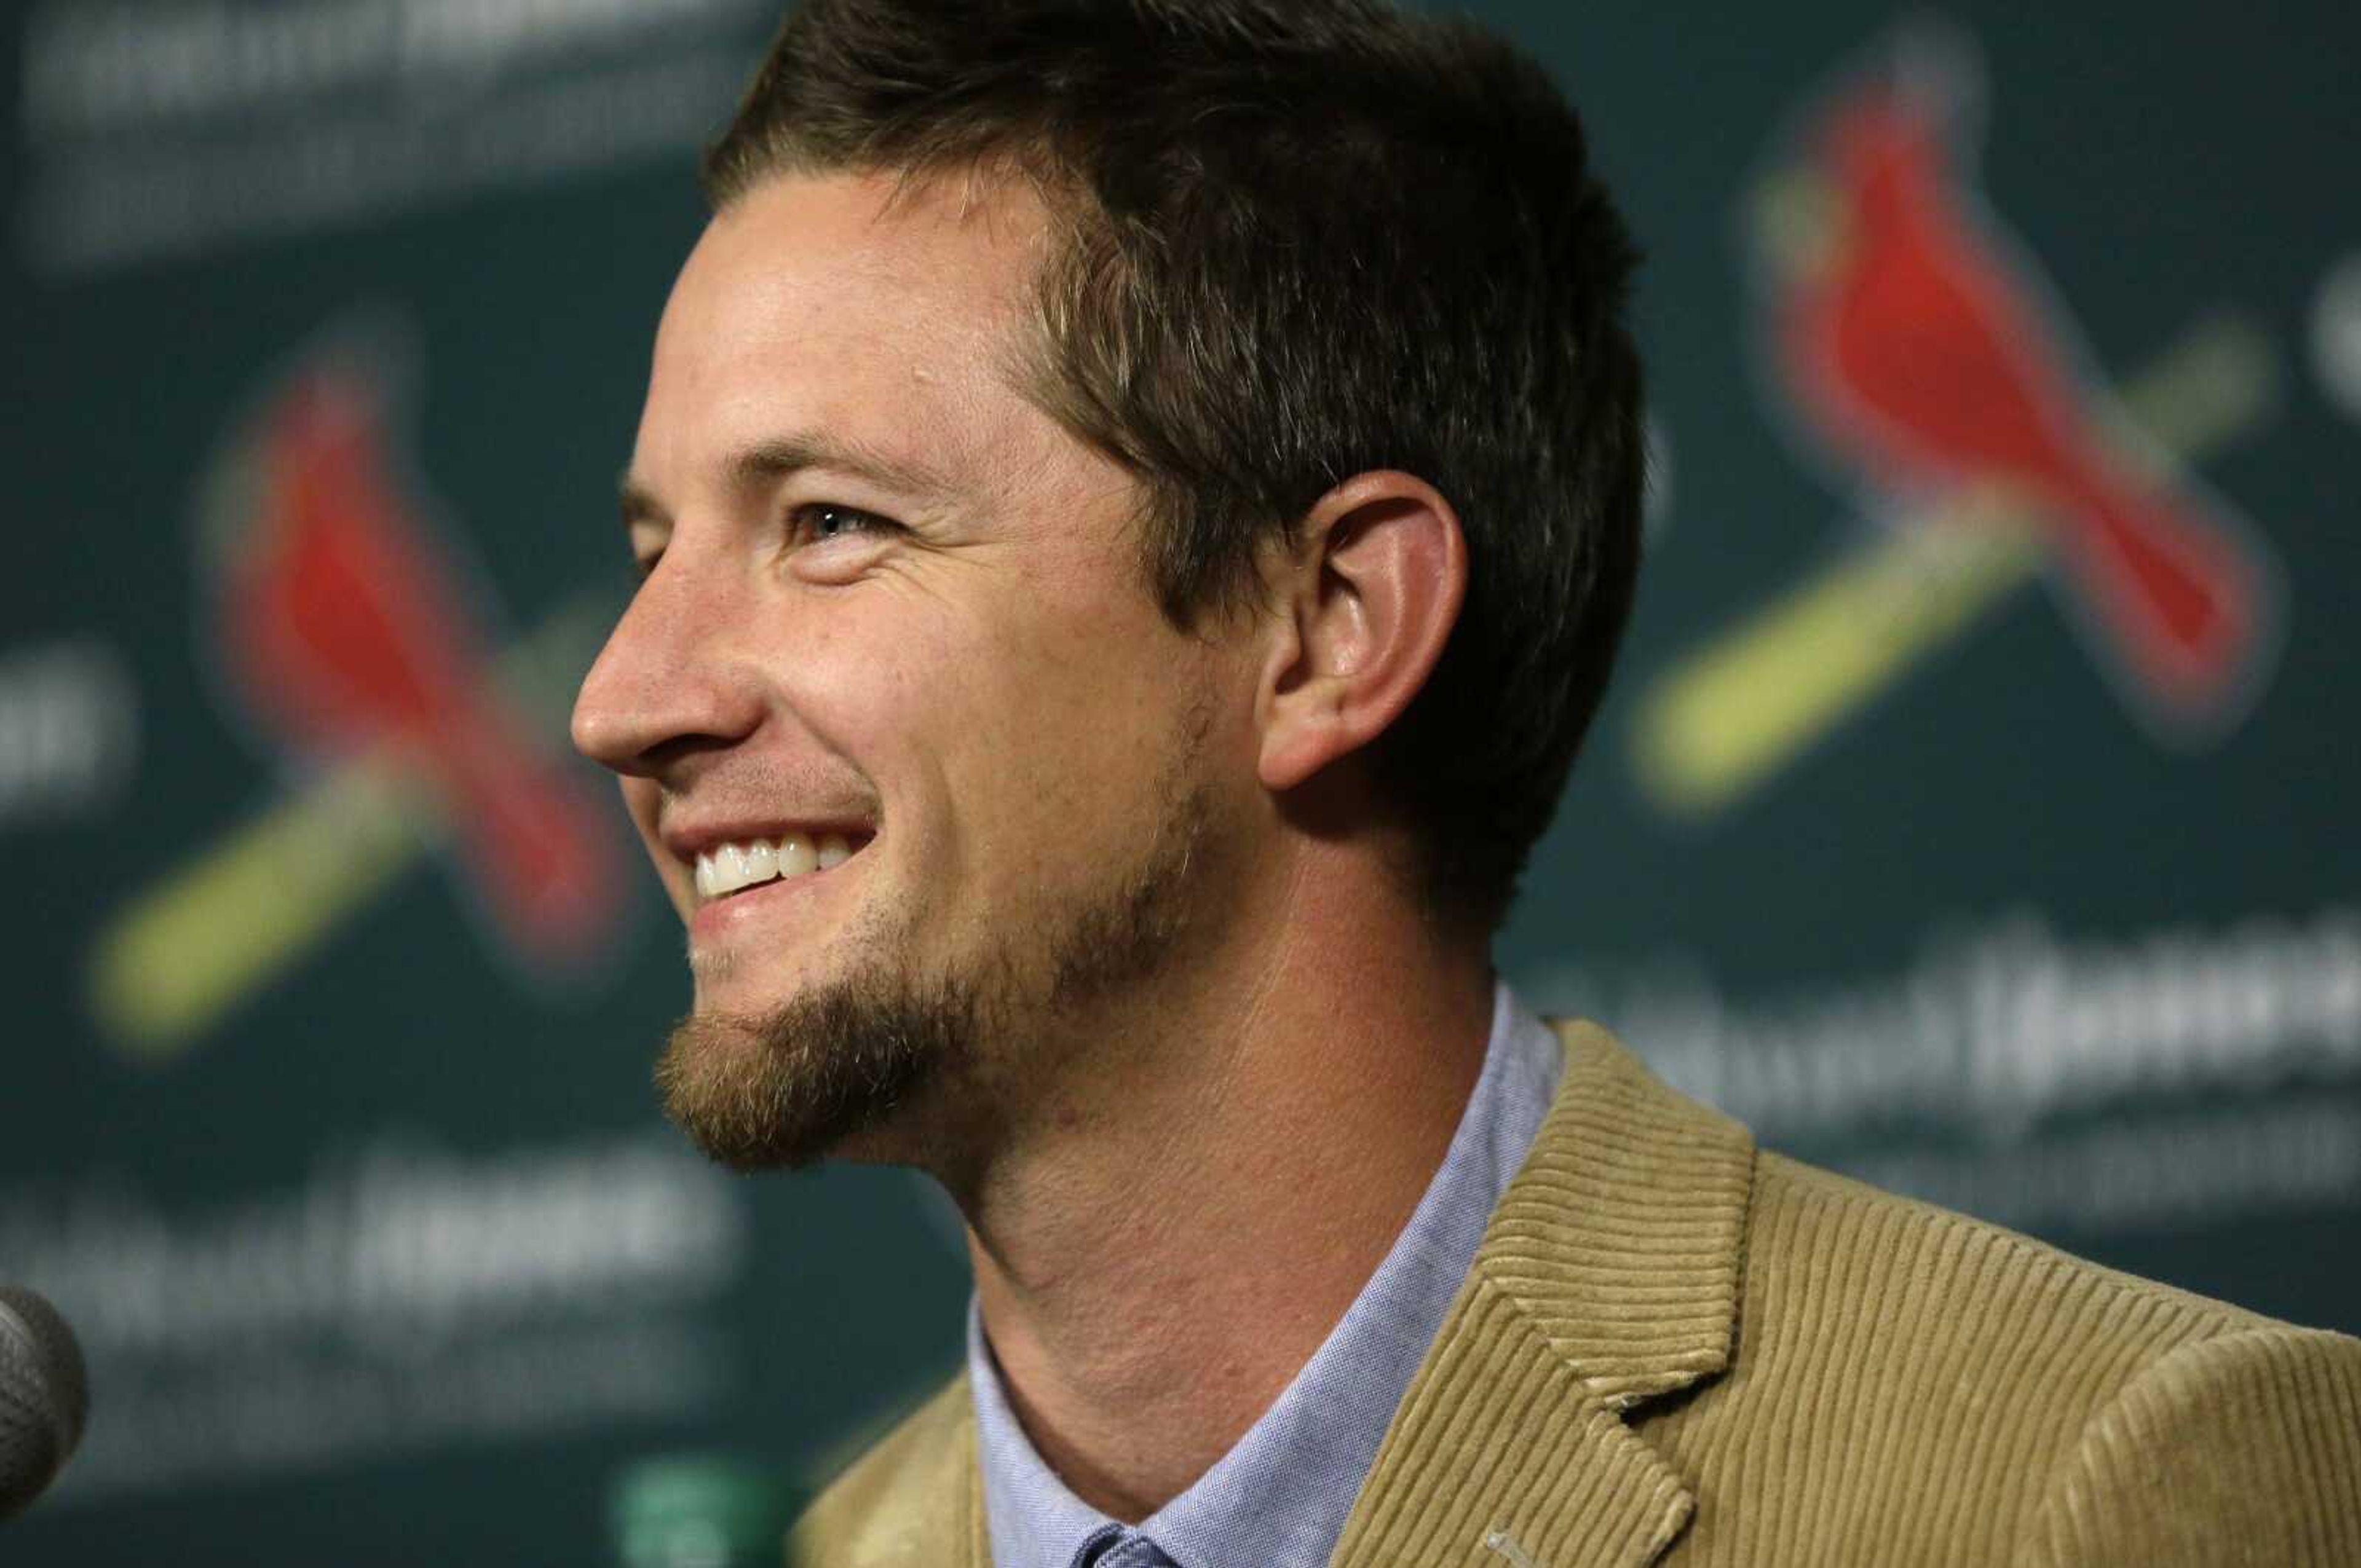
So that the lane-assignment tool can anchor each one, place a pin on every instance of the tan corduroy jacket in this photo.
(1674, 1349)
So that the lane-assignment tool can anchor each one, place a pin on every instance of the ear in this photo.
(1369, 597)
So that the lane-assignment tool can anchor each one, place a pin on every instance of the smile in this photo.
(732, 868)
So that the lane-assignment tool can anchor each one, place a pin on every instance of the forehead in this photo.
(851, 302)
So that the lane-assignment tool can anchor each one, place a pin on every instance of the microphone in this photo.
(44, 1396)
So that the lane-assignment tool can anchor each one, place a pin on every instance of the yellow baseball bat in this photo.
(218, 928)
(1729, 715)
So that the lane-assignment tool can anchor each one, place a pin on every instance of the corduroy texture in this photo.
(917, 1498)
(1673, 1350)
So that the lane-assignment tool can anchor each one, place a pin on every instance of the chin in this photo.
(837, 1071)
(874, 1059)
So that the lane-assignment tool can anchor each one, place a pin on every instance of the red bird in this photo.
(345, 633)
(1912, 335)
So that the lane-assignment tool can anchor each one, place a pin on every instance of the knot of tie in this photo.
(1111, 1546)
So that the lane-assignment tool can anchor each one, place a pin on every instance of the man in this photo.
(1138, 499)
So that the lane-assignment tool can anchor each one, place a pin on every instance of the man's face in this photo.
(891, 608)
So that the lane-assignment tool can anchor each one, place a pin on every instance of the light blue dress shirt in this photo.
(1281, 1498)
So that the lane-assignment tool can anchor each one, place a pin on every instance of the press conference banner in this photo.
(1973, 812)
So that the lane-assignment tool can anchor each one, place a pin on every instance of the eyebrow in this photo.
(766, 463)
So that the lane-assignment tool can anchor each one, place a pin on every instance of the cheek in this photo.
(1027, 718)
(1084, 729)
(1050, 697)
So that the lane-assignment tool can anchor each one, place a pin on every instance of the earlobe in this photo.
(1371, 594)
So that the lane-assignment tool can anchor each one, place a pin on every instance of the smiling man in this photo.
(1136, 503)
(924, 780)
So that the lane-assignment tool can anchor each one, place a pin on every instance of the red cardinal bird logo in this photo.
(1926, 354)
(345, 633)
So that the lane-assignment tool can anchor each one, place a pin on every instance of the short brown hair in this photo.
(1305, 239)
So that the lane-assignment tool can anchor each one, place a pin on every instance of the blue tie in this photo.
(1111, 1546)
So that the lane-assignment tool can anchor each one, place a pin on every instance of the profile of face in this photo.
(930, 779)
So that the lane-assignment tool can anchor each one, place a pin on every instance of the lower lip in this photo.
(721, 918)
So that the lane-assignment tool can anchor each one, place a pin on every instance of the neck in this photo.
(1160, 1251)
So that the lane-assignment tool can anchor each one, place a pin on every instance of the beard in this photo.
(781, 1090)
(880, 1045)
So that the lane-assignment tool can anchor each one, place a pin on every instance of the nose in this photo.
(664, 686)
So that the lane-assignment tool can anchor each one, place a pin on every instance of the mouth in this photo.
(732, 869)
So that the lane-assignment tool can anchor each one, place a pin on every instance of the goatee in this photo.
(780, 1091)
(853, 1055)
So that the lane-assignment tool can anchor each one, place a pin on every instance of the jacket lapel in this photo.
(1608, 1276)
(916, 1500)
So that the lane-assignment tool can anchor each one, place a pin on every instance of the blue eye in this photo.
(819, 522)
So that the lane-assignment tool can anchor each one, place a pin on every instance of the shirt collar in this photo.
(1279, 1499)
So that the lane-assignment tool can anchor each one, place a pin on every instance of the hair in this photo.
(1300, 240)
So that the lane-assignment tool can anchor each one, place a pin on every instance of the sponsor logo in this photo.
(2186, 1073)
(150, 129)
(396, 1298)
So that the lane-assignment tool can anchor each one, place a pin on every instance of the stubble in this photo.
(863, 1059)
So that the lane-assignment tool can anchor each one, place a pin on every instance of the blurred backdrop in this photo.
(1974, 811)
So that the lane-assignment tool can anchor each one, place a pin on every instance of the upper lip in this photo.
(688, 842)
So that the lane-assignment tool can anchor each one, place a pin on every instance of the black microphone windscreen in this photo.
(44, 1396)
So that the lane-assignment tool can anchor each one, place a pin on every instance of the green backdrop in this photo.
(328, 1123)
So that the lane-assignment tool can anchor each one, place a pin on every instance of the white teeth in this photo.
(795, 856)
(729, 868)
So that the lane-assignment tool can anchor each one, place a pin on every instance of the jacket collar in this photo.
(1608, 1277)
(913, 1500)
